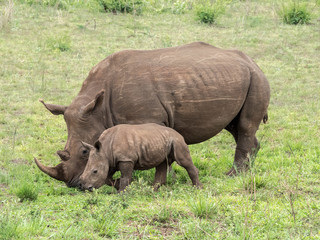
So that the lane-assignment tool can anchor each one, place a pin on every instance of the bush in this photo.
(203, 206)
(123, 6)
(26, 192)
(208, 13)
(62, 43)
(295, 13)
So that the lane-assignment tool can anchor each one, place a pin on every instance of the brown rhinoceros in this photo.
(196, 89)
(127, 147)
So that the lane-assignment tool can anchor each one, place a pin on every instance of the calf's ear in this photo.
(97, 145)
(94, 104)
(54, 109)
(87, 145)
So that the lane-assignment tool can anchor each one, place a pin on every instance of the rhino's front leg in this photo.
(112, 182)
(126, 169)
(161, 175)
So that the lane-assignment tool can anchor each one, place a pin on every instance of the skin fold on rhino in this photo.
(135, 147)
(196, 89)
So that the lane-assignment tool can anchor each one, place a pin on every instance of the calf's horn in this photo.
(55, 172)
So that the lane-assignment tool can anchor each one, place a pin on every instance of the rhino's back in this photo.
(196, 89)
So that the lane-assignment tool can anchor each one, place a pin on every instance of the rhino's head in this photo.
(85, 122)
(96, 170)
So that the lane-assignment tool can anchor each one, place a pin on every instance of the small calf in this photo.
(128, 147)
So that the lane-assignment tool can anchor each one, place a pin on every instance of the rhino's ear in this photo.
(54, 109)
(94, 104)
(64, 155)
(97, 145)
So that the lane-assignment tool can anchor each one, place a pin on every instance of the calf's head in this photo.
(85, 122)
(97, 168)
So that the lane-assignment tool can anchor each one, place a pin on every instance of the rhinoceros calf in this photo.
(128, 147)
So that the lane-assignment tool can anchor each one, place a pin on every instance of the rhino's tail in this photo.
(265, 118)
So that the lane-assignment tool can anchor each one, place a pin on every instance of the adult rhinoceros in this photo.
(197, 89)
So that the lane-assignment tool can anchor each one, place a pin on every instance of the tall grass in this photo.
(6, 15)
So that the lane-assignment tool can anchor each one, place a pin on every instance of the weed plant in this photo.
(59, 43)
(295, 13)
(122, 6)
(208, 12)
(26, 191)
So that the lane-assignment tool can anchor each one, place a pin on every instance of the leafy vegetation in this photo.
(295, 13)
(277, 199)
(208, 12)
(123, 6)
(26, 192)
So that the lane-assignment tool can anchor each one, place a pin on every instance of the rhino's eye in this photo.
(95, 171)
(84, 152)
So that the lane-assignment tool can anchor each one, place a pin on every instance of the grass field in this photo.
(47, 53)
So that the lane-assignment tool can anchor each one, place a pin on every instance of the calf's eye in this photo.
(95, 171)
(84, 152)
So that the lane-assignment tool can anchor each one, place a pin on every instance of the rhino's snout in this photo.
(83, 187)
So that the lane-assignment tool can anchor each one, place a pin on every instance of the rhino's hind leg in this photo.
(245, 125)
(183, 158)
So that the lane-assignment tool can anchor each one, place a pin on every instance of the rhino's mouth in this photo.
(74, 182)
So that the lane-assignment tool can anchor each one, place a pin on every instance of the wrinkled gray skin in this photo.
(196, 89)
(135, 147)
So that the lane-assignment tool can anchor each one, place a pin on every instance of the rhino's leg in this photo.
(161, 175)
(245, 125)
(126, 169)
(112, 182)
(183, 158)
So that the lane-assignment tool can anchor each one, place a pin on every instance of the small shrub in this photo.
(208, 13)
(61, 44)
(123, 6)
(295, 13)
(203, 206)
(26, 191)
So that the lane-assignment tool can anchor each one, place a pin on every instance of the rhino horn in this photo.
(94, 103)
(55, 172)
(64, 155)
(54, 109)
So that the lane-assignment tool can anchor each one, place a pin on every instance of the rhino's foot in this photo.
(232, 172)
(198, 185)
(236, 171)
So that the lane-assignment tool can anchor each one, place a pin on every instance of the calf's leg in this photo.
(126, 169)
(183, 158)
(161, 175)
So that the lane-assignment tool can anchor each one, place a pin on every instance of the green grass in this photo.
(278, 199)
